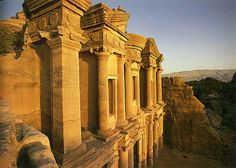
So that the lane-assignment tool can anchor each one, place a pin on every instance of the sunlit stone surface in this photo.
(97, 91)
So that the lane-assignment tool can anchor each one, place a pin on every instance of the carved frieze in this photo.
(148, 60)
(31, 7)
(57, 18)
(104, 38)
(53, 18)
(133, 54)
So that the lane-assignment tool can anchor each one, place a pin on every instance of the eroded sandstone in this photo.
(186, 125)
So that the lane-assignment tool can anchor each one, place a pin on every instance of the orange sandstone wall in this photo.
(88, 91)
(186, 124)
(20, 85)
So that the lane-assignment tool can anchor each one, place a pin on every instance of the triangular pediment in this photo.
(151, 47)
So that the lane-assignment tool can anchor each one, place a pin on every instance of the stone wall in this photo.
(186, 124)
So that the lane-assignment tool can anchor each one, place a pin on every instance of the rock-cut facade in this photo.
(100, 89)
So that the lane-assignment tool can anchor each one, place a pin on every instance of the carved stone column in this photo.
(155, 139)
(150, 142)
(149, 87)
(123, 159)
(103, 91)
(66, 127)
(131, 157)
(160, 139)
(121, 120)
(128, 91)
(137, 84)
(144, 149)
(159, 85)
(154, 87)
(155, 135)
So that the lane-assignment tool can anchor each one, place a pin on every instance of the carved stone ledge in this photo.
(32, 7)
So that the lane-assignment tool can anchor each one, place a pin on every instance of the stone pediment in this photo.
(136, 41)
(101, 14)
(151, 48)
(134, 47)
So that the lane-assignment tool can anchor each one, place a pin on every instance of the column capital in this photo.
(155, 69)
(160, 59)
(128, 63)
(159, 69)
(102, 54)
(122, 58)
(58, 42)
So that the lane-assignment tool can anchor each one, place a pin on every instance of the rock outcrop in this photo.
(20, 144)
(19, 71)
(12, 34)
(220, 101)
(186, 125)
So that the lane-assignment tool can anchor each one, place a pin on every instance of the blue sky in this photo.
(192, 34)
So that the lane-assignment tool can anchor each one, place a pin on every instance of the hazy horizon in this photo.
(192, 34)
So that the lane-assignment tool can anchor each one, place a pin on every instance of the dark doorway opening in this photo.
(136, 159)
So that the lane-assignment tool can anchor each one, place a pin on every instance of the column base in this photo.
(161, 102)
(144, 163)
(150, 162)
(149, 107)
(63, 158)
(160, 140)
(130, 116)
(106, 135)
(121, 123)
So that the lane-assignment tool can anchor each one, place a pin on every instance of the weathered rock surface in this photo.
(186, 125)
(12, 34)
(220, 101)
(20, 144)
(8, 142)
(19, 71)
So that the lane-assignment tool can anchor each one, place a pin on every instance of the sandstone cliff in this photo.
(19, 71)
(220, 101)
(186, 125)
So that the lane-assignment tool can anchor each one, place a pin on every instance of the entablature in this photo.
(49, 19)
(35, 8)
(102, 14)
(104, 36)
(133, 53)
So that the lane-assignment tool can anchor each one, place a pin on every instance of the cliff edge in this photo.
(187, 126)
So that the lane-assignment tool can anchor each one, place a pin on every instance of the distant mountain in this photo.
(222, 75)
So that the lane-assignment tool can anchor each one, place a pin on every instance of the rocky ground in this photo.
(172, 158)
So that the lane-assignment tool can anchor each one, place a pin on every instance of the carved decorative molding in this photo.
(104, 38)
(101, 14)
(34, 6)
